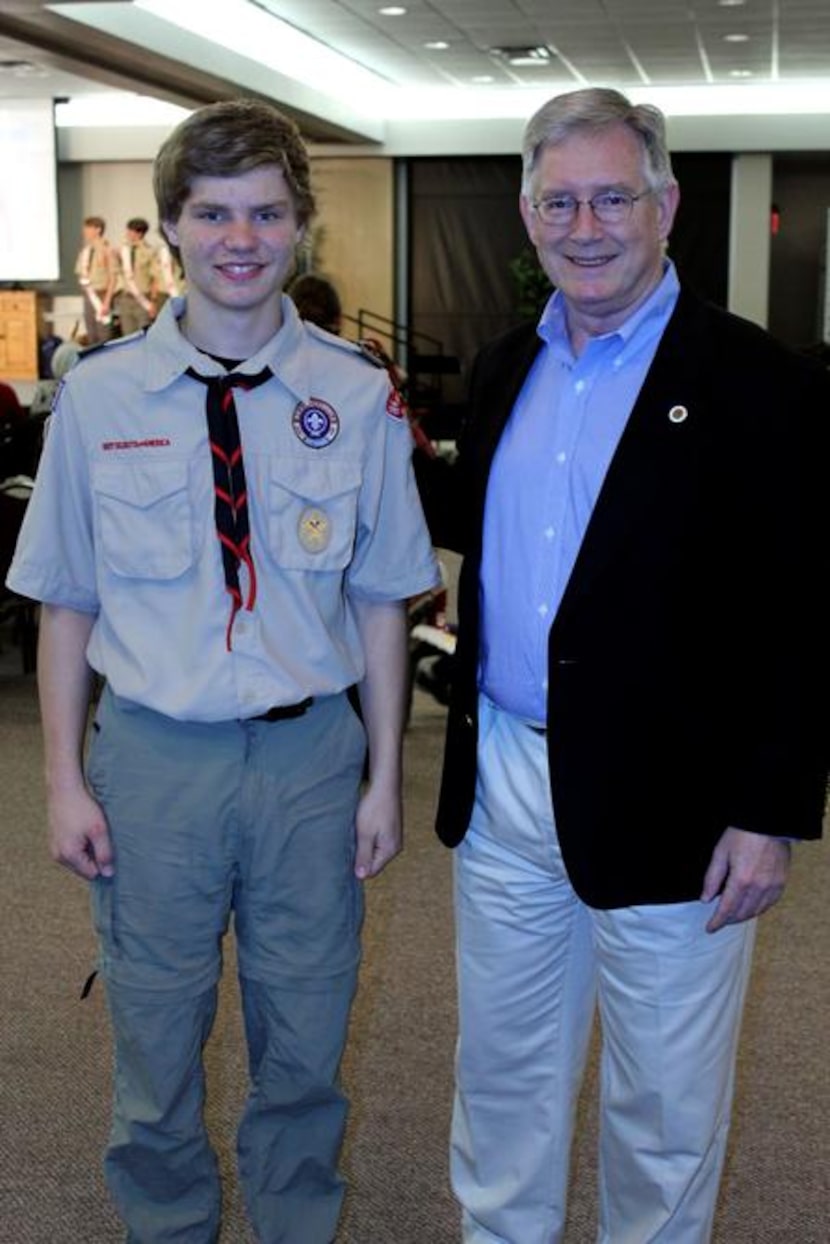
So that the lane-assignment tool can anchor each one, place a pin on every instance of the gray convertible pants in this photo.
(253, 820)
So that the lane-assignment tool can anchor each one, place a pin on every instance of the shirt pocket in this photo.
(312, 513)
(145, 519)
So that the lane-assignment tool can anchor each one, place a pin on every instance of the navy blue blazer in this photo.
(688, 666)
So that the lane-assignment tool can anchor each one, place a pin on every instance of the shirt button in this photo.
(561, 457)
(543, 611)
(550, 532)
(579, 386)
(249, 697)
(544, 684)
(242, 627)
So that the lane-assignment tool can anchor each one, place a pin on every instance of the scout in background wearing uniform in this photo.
(134, 303)
(225, 526)
(97, 273)
(168, 278)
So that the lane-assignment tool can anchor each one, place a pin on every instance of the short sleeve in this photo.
(394, 558)
(54, 560)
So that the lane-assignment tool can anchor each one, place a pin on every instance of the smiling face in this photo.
(604, 271)
(237, 237)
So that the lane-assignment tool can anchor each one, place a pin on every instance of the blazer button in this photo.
(468, 721)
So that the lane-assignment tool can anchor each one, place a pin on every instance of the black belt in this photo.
(284, 712)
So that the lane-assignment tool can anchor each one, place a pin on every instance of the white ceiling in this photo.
(625, 42)
(76, 49)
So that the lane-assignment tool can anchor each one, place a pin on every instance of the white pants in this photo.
(533, 961)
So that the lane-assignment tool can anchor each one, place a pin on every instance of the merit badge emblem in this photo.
(314, 530)
(316, 423)
(678, 414)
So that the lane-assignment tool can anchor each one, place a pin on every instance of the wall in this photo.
(352, 235)
(749, 236)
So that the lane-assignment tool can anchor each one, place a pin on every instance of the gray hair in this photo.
(595, 109)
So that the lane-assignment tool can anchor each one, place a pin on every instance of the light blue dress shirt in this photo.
(546, 476)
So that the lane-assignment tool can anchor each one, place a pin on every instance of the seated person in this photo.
(10, 408)
(63, 357)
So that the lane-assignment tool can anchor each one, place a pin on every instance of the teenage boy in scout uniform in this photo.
(97, 271)
(135, 303)
(225, 526)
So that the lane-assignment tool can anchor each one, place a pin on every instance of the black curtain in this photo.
(465, 231)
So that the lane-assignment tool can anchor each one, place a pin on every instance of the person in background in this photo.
(15, 435)
(637, 729)
(225, 527)
(97, 271)
(134, 302)
(11, 411)
(317, 301)
(64, 357)
(168, 277)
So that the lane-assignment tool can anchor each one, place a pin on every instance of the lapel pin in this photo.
(678, 414)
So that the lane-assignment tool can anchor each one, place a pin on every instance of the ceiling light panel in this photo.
(644, 10)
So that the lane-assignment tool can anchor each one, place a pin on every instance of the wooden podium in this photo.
(18, 335)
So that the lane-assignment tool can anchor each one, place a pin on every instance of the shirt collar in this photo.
(656, 309)
(170, 354)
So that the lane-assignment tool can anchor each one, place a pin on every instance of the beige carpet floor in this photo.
(55, 1054)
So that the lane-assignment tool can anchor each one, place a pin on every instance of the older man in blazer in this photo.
(635, 735)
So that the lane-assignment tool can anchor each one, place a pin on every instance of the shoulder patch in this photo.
(395, 403)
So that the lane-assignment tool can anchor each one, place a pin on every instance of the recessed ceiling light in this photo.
(392, 10)
(736, 38)
(22, 69)
(483, 77)
(437, 45)
(523, 56)
(731, 4)
(740, 73)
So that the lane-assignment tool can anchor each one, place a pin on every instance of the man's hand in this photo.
(78, 835)
(379, 831)
(749, 872)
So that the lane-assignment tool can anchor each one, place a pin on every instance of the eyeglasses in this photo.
(610, 207)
